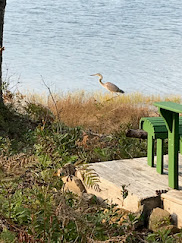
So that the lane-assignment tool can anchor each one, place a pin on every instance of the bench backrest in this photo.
(157, 127)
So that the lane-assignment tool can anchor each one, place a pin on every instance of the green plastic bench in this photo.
(157, 130)
(169, 112)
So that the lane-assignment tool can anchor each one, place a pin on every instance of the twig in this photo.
(50, 93)
(141, 240)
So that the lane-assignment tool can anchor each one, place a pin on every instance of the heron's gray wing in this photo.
(112, 87)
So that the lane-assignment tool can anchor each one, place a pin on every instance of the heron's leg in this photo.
(111, 97)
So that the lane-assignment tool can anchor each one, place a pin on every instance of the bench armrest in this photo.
(170, 106)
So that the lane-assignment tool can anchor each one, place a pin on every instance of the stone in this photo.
(74, 184)
(159, 219)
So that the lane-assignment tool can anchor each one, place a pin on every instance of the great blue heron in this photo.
(110, 86)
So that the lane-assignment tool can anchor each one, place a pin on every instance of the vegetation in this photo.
(38, 138)
(103, 114)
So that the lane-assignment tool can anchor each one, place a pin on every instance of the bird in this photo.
(109, 86)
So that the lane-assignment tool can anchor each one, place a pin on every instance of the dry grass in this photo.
(102, 113)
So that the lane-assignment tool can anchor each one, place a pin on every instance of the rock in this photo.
(159, 219)
(74, 184)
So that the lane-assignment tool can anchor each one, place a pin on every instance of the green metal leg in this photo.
(159, 166)
(180, 145)
(150, 150)
(173, 152)
(172, 122)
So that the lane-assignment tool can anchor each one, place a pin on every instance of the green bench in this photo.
(157, 130)
(168, 126)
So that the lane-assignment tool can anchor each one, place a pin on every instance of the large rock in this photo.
(160, 219)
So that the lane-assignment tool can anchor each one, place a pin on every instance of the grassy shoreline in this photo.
(103, 113)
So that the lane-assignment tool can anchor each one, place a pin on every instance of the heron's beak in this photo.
(92, 74)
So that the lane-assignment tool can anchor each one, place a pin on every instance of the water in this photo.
(136, 44)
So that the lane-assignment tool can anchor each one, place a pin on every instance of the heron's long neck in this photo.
(100, 80)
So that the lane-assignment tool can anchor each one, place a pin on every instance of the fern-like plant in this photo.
(89, 176)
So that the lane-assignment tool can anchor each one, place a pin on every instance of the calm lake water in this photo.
(136, 44)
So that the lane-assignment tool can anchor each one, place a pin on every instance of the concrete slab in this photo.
(140, 182)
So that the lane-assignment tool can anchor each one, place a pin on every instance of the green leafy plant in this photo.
(7, 236)
(89, 176)
(124, 191)
(39, 113)
(163, 236)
